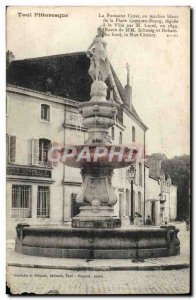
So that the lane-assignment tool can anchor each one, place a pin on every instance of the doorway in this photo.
(75, 207)
(153, 213)
(120, 205)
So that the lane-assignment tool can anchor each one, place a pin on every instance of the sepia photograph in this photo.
(98, 150)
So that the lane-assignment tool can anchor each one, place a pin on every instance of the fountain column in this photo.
(97, 197)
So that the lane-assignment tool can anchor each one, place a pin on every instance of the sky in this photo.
(159, 67)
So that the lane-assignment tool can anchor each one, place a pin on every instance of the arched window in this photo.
(45, 112)
(133, 134)
(113, 133)
(44, 146)
(139, 201)
(140, 174)
(120, 138)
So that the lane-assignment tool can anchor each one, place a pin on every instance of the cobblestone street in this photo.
(88, 282)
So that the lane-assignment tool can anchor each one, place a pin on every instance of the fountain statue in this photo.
(96, 231)
(99, 67)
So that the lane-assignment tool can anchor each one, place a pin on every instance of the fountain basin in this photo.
(122, 243)
(95, 156)
(98, 108)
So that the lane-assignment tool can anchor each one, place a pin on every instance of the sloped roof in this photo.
(122, 94)
(64, 75)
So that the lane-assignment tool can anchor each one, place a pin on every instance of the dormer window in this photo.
(45, 112)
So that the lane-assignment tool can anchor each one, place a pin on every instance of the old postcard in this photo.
(98, 150)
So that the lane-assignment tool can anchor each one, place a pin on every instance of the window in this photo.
(7, 147)
(139, 201)
(7, 104)
(39, 152)
(21, 201)
(119, 116)
(113, 133)
(140, 174)
(135, 177)
(120, 138)
(43, 200)
(133, 134)
(10, 148)
(44, 146)
(45, 112)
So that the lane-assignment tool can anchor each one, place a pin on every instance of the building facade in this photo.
(42, 111)
(161, 199)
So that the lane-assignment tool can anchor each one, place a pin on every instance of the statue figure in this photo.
(99, 67)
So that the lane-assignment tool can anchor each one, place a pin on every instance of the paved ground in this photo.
(161, 263)
(89, 282)
(36, 280)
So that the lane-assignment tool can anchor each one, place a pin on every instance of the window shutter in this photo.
(7, 147)
(12, 148)
(35, 152)
(55, 154)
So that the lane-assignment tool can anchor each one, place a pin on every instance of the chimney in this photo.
(154, 162)
(9, 58)
(128, 89)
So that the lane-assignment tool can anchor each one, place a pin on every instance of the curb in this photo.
(104, 268)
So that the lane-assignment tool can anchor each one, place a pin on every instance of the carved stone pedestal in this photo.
(96, 222)
(97, 198)
(96, 217)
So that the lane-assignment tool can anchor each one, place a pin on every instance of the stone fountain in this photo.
(96, 232)
(97, 197)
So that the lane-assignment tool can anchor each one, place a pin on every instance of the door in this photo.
(153, 212)
(120, 205)
(75, 207)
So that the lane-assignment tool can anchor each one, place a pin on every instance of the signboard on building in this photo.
(31, 172)
(72, 118)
